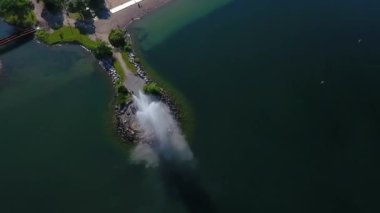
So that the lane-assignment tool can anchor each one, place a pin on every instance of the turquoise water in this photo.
(171, 18)
(285, 98)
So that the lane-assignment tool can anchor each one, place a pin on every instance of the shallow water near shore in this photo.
(165, 21)
(286, 102)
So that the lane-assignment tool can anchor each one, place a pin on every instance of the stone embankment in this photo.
(125, 113)
(126, 123)
(107, 65)
(139, 71)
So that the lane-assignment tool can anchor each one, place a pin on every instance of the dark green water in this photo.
(57, 148)
(286, 102)
(269, 136)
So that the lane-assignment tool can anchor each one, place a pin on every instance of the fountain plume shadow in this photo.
(164, 145)
(183, 183)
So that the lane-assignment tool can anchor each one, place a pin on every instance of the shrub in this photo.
(128, 48)
(122, 90)
(152, 88)
(43, 35)
(116, 37)
(18, 12)
(102, 50)
(54, 5)
(122, 94)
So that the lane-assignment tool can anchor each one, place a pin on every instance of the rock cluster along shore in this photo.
(125, 113)
(107, 65)
(126, 123)
(139, 71)
(133, 60)
(174, 109)
(164, 96)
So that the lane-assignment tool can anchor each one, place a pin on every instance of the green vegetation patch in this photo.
(130, 66)
(65, 35)
(18, 12)
(102, 50)
(116, 37)
(152, 88)
(122, 94)
(119, 70)
(70, 34)
(76, 16)
(186, 111)
(54, 5)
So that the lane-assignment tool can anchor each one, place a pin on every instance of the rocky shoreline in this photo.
(125, 113)
(125, 110)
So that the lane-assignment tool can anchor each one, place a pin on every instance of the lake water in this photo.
(58, 151)
(285, 96)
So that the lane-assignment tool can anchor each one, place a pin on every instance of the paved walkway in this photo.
(132, 82)
(125, 5)
(125, 17)
(38, 7)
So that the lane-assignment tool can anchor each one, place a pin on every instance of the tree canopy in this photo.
(54, 4)
(82, 5)
(116, 37)
(78, 5)
(102, 50)
(18, 12)
(152, 88)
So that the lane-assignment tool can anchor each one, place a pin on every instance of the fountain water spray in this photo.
(161, 138)
(163, 143)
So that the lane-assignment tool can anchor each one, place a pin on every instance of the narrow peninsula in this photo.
(99, 26)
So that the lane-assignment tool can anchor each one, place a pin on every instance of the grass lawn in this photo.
(119, 70)
(76, 16)
(66, 34)
(152, 88)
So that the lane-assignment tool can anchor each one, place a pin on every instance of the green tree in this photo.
(152, 88)
(122, 90)
(54, 4)
(102, 50)
(78, 5)
(116, 37)
(18, 12)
